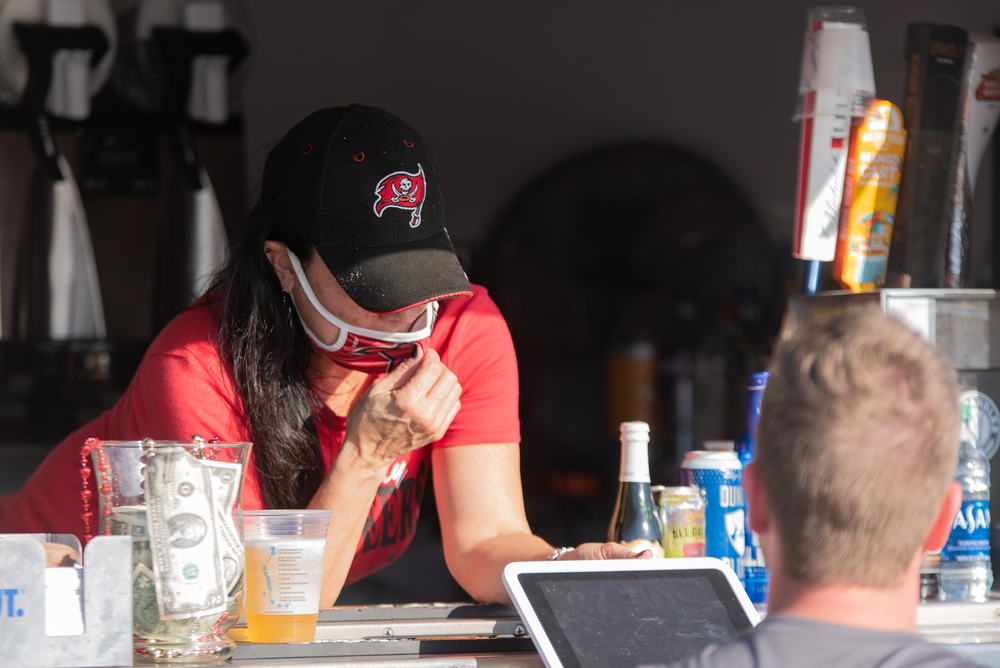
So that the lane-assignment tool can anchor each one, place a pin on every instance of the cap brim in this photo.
(398, 277)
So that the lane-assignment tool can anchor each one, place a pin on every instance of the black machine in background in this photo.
(141, 164)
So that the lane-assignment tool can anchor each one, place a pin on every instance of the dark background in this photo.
(502, 91)
(612, 131)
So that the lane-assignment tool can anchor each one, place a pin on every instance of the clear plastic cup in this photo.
(284, 566)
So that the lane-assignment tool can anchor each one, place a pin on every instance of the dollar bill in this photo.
(146, 623)
(131, 521)
(184, 535)
(225, 485)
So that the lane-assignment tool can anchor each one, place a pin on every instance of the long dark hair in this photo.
(262, 343)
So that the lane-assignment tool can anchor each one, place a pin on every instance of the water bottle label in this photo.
(970, 534)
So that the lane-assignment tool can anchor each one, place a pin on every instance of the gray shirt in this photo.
(796, 642)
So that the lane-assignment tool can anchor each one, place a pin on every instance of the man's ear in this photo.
(941, 527)
(277, 255)
(760, 510)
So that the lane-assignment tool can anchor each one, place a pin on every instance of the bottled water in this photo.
(965, 559)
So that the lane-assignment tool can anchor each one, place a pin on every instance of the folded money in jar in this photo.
(181, 504)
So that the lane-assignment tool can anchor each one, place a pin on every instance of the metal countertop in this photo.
(490, 636)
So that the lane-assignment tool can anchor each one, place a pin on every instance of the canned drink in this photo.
(657, 492)
(720, 477)
(682, 516)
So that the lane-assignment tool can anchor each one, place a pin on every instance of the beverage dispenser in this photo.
(121, 178)
(56, 55)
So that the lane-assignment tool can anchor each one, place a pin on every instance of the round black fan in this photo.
(636, 242)
(640, 239)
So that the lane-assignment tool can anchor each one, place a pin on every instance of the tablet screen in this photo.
(628, 619)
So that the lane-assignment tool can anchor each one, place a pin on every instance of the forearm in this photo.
(483, 533)
(348, 490)
(399, 413)
(478, 568)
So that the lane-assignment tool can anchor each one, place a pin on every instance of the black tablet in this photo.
(627, 613)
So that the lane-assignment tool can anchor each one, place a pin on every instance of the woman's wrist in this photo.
(558, 553)
(348, 480)
(351, 459)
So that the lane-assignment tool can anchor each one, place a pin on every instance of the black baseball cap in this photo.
(360, 186)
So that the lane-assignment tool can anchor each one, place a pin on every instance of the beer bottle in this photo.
(634, 522)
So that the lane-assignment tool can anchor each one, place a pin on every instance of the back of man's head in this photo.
(857, 445)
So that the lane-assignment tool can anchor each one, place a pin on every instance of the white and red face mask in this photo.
(361, 349)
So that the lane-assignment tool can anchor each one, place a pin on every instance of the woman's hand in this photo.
(402, 411)
(604, 551)
(57, 554)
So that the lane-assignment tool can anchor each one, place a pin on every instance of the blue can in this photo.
(720, 477)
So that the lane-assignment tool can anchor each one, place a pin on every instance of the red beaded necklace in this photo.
(89, 446)
(92, 445)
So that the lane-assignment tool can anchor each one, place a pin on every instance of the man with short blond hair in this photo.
(852, 483)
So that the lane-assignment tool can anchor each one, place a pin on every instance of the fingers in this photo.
(403, 376)
(403, 372)
(445, 391)
(606, 551)
(444, 400)
(457, 406)
(57, 554)
(438, 416)
(427, 372)
(616, 551)
(432, 389)
(406, 409)
(591, 551)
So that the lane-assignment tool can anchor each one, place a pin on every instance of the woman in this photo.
(345, 341)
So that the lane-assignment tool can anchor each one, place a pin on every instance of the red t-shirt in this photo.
(181, 388)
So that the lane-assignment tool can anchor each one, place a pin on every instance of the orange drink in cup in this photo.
(284, 567)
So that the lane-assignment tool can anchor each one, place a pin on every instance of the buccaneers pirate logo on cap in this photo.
(401, 190)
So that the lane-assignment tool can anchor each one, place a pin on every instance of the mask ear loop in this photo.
(391, 337)
(329, 317)
(337, 345)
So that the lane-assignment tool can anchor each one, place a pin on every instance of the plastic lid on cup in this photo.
(286, 522)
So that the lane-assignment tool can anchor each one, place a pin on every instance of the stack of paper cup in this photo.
(837, 81)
